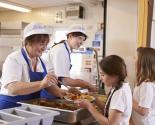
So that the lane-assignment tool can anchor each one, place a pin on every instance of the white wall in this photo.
(122, 31)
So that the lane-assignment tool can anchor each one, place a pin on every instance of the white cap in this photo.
(77, 29)
(35, 28)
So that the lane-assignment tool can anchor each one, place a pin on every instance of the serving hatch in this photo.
(69, 113)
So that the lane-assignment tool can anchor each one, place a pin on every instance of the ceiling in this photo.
(41, 3)
(46, 3)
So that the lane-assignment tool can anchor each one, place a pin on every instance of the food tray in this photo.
(30, 118)
(30, 115)
(8, 119)
(46, 116)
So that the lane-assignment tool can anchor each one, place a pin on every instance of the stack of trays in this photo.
(8, 119)
(26, 115)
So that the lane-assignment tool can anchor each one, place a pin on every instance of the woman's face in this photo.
(108, 80)
(37, 48)
(76, 42)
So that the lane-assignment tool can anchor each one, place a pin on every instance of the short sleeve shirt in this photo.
(144, 94)
(122, 101)
(15, 68)
(58, 60)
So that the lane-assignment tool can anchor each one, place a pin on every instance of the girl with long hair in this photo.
(144, 92)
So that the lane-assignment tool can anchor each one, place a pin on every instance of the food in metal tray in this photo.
(67, 115)
(54, 104)
(74, 90)
(73, 97)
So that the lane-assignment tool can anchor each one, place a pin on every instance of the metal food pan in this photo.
(71, 115)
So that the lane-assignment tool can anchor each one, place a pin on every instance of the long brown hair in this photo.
(145, 65)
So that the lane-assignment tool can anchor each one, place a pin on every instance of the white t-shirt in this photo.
(122, 101)
(58, 60)
(15, 68)
(145, 96)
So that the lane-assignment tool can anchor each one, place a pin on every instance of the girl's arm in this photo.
(141, 110)
(114, 115)
(100, 104)
(98, 116)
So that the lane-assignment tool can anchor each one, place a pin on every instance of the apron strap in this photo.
(43, 65)
(25, 57)
(67, 51)
(68, 55)
(55, 44)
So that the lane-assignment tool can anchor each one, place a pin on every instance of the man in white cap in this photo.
(24, 73)
(59, 60)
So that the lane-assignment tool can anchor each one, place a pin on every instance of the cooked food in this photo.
(73, 97)
(52, 104)
(74, 90)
